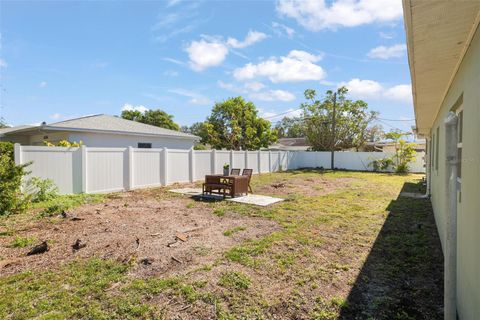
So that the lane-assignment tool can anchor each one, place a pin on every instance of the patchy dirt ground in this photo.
(310, 186)
(165, 233)
(342, 245)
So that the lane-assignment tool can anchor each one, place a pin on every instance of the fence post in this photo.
(17, 154)
(280, 161)
(270, 161)
(231, 159)
(213, 164)
(83, 150)
(130, 168)
(259, 160)
(246, 158)
(192, 165)
(164, 169)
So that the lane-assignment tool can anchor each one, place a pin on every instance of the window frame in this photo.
(144, 145)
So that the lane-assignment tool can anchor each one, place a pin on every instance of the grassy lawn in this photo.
(346, 246)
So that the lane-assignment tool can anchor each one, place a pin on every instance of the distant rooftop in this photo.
(104, 123)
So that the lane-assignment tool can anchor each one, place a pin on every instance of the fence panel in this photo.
(178, 167)
(107, 169)
(62, 165)
(252, 157)
(264, 161)
(147, 167)
(222, 157)
(76, 170)
(203, 161)
(239, 159)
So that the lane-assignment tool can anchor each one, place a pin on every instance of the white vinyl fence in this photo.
(92, 170)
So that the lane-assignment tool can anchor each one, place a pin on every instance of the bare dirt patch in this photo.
(310, 186)
(156, 232)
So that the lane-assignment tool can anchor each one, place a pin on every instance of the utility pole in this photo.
(334, 116)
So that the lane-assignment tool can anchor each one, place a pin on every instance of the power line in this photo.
(395, 119)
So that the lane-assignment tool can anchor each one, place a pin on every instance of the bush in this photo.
(12, 200)
(41, 189)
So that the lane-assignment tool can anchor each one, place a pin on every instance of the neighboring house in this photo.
(389, 146)
(290, 144)
(443, 39)
(100, 131)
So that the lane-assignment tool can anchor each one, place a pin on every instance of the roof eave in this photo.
(53, 128)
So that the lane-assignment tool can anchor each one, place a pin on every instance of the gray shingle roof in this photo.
(103, 122)
(13, 129)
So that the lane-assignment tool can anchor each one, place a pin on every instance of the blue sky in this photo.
(66, 59)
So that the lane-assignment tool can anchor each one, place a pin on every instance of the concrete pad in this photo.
(256, 199)
(187, 191)
(413, 195)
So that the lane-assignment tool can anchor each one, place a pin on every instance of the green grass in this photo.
(234, 280)
(229, 232)
(21, 242)
(66, 202)
(361, 239)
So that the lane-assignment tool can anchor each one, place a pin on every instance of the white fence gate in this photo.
(92, 170)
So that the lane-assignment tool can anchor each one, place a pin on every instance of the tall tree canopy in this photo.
(291, 128)
(156, 118)
(234, 124)
(3, 124)
(352, 121)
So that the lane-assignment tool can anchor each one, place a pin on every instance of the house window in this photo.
(437, 144)
(144, 145)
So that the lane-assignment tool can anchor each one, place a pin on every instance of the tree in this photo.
(404, 151)
(352, 121)
(3, 124)
(156, 118)
(234, 124)
(291, 128)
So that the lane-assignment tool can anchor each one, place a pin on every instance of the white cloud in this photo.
(130, 107)
(43, 84)
(386, 35)
(273, 115)
(281, 29)
(383, 52)
(171, 3)
(56, 116)
(317, 15)
(296, 66)
(251, 38)
(401, 92)
(254, 86)
(273, 95)
(204, 54)
(195, 98)
(365, 89)
(3, 63)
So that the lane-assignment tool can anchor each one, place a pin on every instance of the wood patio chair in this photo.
(235, 172)
(248, 172)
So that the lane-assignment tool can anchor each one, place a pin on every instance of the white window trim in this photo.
(459, 144)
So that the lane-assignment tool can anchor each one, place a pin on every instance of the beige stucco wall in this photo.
(467, 81)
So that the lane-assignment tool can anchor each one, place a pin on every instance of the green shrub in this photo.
(12, 200)
(41, 189)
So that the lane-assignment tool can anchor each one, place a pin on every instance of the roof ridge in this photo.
(82, 117)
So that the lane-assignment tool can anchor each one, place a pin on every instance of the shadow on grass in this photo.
(402, 277)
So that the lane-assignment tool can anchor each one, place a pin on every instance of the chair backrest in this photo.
(247, 172)
(235, 172)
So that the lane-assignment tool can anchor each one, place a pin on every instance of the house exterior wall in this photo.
(466, 82)
(105, 140)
